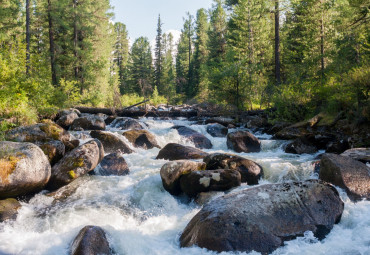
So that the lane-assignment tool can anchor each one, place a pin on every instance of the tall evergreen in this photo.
(169, 75)
(158, 60)
(121, 53)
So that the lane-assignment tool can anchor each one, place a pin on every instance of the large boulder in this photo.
(199, 140)
(111, 142)
(209, 180)
(66, 118)
(126, 124)
(76, 163)
(114, 164)
(261, 219)
(360, 154)
(174, 151)
(141, 139)
(91, 240)
(250, 171)
(217, 130)
(24, 169)
(54, 150)
(347, 173)
(88, 122)
(243, 141)
(9, 209)
(38, 133)
(172, 171)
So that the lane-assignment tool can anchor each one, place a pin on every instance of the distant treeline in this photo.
(299, 56)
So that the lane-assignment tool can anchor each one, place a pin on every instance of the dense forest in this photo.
(301, 57)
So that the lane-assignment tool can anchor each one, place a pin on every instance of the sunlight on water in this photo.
(141, 218)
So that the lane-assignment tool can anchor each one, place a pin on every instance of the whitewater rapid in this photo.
(141, 218)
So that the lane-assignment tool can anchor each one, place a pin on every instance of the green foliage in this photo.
(131, 99)
(156, 99)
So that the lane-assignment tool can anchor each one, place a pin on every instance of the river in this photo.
(141, 218)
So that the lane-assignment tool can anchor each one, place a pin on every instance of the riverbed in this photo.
(141, 218)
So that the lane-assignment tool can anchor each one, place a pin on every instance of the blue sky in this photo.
(140, 16)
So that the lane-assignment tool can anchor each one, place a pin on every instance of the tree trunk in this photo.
(52, 47)
(75, 39)
(277, 43)
(28, 36)
(322, 41)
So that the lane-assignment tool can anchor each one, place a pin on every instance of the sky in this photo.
(141, 16)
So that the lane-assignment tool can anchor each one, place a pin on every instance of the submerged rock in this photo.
(250, 171)
(114, 164)
(196, 182)
(217, 130)
(243, 141)
(347, 173)
(91, 240)
(76, 163)
(111, 142)
(88, 122)
(126, 124)
(171, 173)
(38, 133)
(24, 169)
(9, 209)
(174, 151)
(199, 140)
(141, 138)
(262, 218)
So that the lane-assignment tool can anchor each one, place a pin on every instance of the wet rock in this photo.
(68, 111)
(91, 240)
(76, 163)
(250, 171)
(54, 150)
(109, 120)
(38, 133)
(217, 130)
(221, 120)
(174, 151)
(67, 119)
(111, 142)
(254, 121)
(199, 140)
(261, 219)
(63, 193)
(243, 141)
(204, 197)
(24, 169)
(276, 128)
(88, 122)
(141, 139)
(347, 173)
(126, 124)
(338, 146)
(172, 171)
(71, 145)
(9, 209)
(114, 164)
(290, 133)
(209, 180)
(360, 154)
(300, 146)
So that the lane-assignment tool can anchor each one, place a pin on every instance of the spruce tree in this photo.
(158, 60)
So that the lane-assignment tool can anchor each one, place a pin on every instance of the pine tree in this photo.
(121, 53)
(158, 60)
(201, 55)
(168, 67)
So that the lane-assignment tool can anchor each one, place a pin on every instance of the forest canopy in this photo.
(300, 57)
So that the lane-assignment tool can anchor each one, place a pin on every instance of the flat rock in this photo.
(24, 169)
(172, 171)
(243, 141)
(91, 240)
(262, 218)
(360, 154)
(174, 151)
(111, 142)
(196, 182)
(347, 173)
(250, 171)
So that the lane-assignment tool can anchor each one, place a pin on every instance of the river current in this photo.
(141, 218)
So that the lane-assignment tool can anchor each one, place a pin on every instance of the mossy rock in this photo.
(9, 209)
